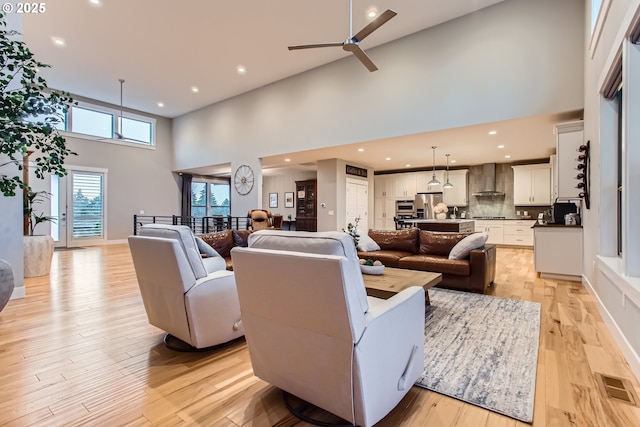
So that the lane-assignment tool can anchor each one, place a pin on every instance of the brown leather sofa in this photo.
(224, 241)
(417, 249)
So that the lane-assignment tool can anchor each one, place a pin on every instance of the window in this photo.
(135, 130)
(91, 122)
(209, 198)
(595, 10)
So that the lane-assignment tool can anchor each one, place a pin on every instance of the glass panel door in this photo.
(87, 213)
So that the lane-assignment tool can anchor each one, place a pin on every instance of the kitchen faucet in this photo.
(455, 211)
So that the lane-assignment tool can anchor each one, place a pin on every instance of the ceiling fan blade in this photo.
(359, 53)
(374, 25)
(312, 46)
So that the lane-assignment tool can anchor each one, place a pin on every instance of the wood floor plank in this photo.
(78, 350)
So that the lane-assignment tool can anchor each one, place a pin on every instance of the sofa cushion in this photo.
(437, 264)
(473, 241)
(366, 243)
(434, 243)
(405, 240)
(388, 258)
(221, 241)
(241, 238)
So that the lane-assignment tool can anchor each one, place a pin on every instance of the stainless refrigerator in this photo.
(424, 203)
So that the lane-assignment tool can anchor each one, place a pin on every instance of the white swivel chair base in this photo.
(176, 344)
(298, 412)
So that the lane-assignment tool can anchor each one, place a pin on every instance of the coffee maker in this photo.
(560, 209)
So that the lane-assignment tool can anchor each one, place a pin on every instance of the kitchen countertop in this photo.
(551, 225)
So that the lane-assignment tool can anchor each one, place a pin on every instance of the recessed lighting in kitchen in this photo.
(287, 159)
(195, 89)
(388, 158)
(241, 69)
(95, 2)
(407, 165)
(500, 146)
(493, 132)
(507, 156)
(160, 104)
(361, 149)
(58, 41)
(453, 161)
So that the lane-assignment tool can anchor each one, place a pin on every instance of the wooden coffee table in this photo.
(394, 280)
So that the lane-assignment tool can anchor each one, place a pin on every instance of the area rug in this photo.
(482, 350)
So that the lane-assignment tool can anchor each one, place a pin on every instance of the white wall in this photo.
(281, 184)
(11, 249)
(618, 297)
(515, 59)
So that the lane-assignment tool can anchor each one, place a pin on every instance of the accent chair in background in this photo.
(313, 332)
(259, 219)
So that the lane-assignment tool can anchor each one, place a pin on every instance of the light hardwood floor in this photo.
(78, 350)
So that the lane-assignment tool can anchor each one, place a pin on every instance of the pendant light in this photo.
(447, 184)
(434, 180)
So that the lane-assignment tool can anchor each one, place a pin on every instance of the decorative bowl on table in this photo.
(369, 266)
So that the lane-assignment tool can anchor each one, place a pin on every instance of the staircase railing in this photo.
(199, 224)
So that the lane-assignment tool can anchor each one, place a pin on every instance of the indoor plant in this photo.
(29, 114)
(38, 250)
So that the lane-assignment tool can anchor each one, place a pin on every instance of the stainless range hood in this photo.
(488, 182)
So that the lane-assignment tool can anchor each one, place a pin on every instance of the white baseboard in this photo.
(17, 293)
(628, 352)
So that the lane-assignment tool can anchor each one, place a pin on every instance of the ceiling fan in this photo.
(352, 43)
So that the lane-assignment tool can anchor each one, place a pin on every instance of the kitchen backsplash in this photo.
(496, 206)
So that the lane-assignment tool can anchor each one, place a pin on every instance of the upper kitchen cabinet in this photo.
(403, 185)
(456, 196)
(422, 183)
(380, 184)
(532, 185)
(570, 137)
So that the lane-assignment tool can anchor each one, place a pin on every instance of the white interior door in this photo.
(59, 210)
(357, 203)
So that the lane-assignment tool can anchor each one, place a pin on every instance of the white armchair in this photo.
(313, 332)
(180, 296)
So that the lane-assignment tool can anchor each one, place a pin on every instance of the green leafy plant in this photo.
(29, 114)
(30, 201)
(352, 230)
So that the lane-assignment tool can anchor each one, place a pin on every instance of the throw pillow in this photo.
(205, 249)
(473, 241)
(366, 243)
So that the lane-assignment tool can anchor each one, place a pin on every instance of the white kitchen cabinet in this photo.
(456, 196)
(403, 185)
(422, 178)
(518, 232)
(380, 185)
(558, 252)
(384, 211)
(570, 137)
(532, 185)
(494, 228)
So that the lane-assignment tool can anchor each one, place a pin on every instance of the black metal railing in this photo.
(199, 224)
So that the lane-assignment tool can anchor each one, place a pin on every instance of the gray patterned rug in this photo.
(482, 350)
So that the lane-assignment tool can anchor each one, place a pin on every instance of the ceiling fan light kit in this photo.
(352, 44)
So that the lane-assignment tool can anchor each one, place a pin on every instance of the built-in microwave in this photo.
(404, 208)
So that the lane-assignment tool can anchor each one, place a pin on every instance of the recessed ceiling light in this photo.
(388, 158)
(287, 160)
(507, 156)
(160, 104)
(361, 149)
(493, 132)
(372, 12)
(500, 146)
(95, 2)
(241, 69)
(195, 89)
(58, 41)
(407, 165)
(453, 161)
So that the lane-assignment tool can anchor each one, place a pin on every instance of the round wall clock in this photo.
(243, 179)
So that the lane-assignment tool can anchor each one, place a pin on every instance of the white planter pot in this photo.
(38, 252)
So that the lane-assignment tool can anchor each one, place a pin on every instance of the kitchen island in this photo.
(449, 225)
(558, 251)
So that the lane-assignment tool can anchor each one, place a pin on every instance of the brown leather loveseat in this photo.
(224, 241)
(417, 249)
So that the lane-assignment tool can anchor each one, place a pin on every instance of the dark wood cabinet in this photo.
(306, 209)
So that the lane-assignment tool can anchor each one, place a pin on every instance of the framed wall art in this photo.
(288, 200)
(273, 200)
